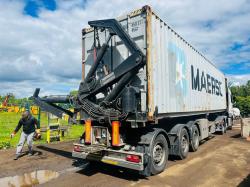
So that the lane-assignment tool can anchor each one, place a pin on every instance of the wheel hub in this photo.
(184, 144)
(158, 154)
(196, 139)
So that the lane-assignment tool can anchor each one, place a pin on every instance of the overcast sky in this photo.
(40, 40)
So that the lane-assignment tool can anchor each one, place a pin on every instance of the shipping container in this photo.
(177, 79)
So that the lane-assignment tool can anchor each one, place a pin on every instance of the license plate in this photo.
(100, 135)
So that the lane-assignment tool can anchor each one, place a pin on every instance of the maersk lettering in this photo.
(195, 80)
(205, 82)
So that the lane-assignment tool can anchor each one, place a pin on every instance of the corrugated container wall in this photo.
(172, 63)
(177, 79)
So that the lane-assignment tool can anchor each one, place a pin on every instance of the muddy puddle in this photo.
(29, 179)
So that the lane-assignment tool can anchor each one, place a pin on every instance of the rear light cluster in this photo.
(77, 148)
(133, 158)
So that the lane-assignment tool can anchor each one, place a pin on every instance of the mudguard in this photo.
(174, 138)
(147, 139)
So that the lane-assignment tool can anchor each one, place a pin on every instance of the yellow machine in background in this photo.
(19, 109)
(4, 105)
(7, 106)
(34, 110)
(53, 130)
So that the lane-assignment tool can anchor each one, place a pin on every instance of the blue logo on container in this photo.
(180, 67)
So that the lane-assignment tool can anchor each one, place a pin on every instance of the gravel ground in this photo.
(224, 160)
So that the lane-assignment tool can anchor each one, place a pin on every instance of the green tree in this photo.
(74, 92)
(241, 97)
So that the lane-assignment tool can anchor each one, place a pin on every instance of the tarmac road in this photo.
(224, 160)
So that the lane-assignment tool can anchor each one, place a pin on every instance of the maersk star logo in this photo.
(180, 66)
(180, 74)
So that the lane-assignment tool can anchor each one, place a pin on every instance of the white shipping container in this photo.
(177, 79)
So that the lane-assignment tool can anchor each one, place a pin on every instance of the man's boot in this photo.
(30, 153)
(16, 157)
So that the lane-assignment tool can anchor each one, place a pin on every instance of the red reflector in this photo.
(133, 158)
(77, 148)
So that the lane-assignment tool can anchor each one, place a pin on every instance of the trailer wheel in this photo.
(195, 139)
(231, 124)
(223, 130)
(159, 152)
(183, 144)
(225, 126)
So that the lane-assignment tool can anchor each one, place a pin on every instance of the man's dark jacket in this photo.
(28, 125)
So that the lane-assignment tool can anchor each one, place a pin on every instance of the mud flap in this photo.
(174, 135)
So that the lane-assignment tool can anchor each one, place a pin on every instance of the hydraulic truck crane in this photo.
(4, 106)
(147, 94)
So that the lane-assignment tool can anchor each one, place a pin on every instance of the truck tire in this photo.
(194, 144)
(159, 154)
(183, 144)
(231, 124)
(224, 128)
(225, 125)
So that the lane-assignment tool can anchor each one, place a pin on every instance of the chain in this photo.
(97, 38)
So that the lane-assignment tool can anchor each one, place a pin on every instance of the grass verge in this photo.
(8, 122)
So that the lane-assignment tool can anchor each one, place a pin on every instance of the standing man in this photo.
(30, 126)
